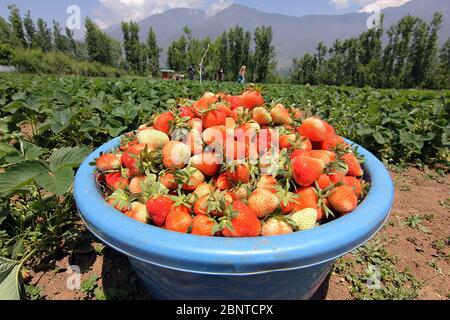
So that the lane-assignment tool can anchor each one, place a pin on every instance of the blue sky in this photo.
(107, 12)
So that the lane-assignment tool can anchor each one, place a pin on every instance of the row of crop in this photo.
(397, 125)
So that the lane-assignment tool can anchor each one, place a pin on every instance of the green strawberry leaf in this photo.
(19, 175)
(32, 152)
(68, 157)
(11, 286)
(58, 182)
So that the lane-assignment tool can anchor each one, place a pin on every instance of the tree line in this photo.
(230, 51)
(411, 58)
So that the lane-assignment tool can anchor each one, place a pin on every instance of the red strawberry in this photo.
(280, 115)
(307, 198)
(288, 200)
(245, 223)
(306, 170)
(167, 179)
(343, 199)
(234, 101)
(207, 163)
(220, 106)
(213, 118)
(286, 141)
(223, 182)
(298, 153)
(186, 112)
(354, 167)
(251, 99)
(324, 155)
(337, 177)
(163, 122)
(331, 141)
(330, 129)
(159, 207)
(239, 173)
(355, 184)
(179, 220)
(190, 177)
(204, 103)
(107, 162)
(314, 129)
(115, 181)
(202, 225)
(323, 181)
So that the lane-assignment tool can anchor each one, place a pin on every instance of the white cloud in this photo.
(382, 4)
(114, 11)
(218, 6)
(369, 6)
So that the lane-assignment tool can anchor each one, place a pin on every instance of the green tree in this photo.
(153, 52)
(61, 42)
(5, 31)
(43, 36)
(135, 52)
(444, 65)
(30, 30)
(17, 26)
(264, 52)
(430, 64)
(72, 43)
(176, 54)
(236, 46)
(100, 47)
(304, 70)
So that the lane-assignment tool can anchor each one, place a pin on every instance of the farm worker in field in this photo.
(191, 72)
(202, 72)
(242, 73)
(220, 75)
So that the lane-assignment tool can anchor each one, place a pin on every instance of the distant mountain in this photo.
(167, 26)
(293, 36)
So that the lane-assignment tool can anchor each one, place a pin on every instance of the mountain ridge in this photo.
(293, 36)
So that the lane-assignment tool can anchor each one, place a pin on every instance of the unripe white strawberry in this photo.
(139, 212)
(263, 202)
(275, 227)
(154, 139)
(305, 219)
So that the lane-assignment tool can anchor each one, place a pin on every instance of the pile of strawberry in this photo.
(232, 166)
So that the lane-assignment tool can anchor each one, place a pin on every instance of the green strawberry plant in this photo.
(37, 209)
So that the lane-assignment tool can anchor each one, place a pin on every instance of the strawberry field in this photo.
(48, 125)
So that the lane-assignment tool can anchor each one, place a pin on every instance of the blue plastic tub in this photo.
(179, 266)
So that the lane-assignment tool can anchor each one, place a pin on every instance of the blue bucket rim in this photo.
(232, 256)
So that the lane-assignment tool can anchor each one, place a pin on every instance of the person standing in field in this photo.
(242, 73)
(191, 72)
(202, 73)
(220, 75)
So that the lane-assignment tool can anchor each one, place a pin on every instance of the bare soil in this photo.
(421, 247)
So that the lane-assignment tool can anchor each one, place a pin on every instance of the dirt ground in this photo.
(412, 253)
